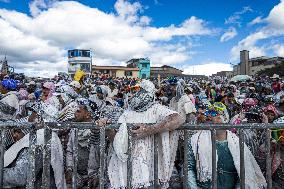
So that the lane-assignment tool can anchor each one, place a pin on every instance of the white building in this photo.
(79, 59)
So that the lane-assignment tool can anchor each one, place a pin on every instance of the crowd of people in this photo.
(155, 107)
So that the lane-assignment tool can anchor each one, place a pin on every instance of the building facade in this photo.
(165, 71)
(227, 74)
(143, 64)
(251, 66)
(79, 59)
(115, 71)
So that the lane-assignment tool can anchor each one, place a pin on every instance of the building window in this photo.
(71, 53)
(106, 71)
(86, 54)
(85, 67)
(144, 65)
(128, 73)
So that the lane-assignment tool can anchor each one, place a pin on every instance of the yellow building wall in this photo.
(135, 74)
(120, 73)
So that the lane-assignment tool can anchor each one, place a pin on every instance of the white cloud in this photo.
(5, 1)
(128, 11)
(229, 34)
(279, 49)
(236, 18)
(190, 27)
(114, 37)
(36, 6)
(276, 15)
(207, 68)
(274, 28)
(257, 20)
(249, 43)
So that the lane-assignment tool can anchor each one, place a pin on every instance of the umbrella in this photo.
(241, 78)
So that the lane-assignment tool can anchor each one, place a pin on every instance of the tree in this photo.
(278, 69)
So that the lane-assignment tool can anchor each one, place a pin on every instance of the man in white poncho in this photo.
(144, 110)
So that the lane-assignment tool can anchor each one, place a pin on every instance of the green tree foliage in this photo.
(278, 69)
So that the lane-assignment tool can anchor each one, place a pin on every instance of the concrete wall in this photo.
(120, 73)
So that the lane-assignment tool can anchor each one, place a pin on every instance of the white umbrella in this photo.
(241, 78)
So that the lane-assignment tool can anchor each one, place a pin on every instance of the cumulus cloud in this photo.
(274, 27)
(229, 34)
(33, 42)
(257, 20)
(236, 18)
(207, 68)
(279, 49)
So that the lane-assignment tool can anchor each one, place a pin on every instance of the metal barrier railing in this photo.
(78, 126)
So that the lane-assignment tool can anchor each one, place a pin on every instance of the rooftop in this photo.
(166, 66)
(114, 68)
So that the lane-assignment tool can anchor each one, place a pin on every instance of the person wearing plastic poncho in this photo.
(16, 157)
(228, 160)
(16, 162)
(184, 106)
(182, 103)
(144, 110)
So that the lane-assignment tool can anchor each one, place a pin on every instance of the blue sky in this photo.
(200, 37)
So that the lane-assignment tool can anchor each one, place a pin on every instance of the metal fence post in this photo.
(129, 158)
(268, 159)
(75, 159)
(156, 162)
(2, 151)
(102, 157)
(46, 158)
(242, 159)
(32, 147)
(214, 160)
(185, 163)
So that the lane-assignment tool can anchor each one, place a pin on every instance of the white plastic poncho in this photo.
(254, 177)
(142, 151)
(56, 155)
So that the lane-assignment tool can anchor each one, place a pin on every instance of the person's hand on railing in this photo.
(264, 118)
(102, 122)
(68, 176)
(141, 130)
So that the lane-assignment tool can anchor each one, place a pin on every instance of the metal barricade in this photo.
(48, 127)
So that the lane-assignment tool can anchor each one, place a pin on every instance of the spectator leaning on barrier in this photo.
(144, 110)
(16, 162)
(228, 163)
(83, 114)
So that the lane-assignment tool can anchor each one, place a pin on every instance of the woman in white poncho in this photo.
(228, 160)
(144, 110)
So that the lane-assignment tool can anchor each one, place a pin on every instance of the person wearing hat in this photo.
(48, 89)
(189, 91)
(144, 110)
(276, 85)
(31, 87)
(113, 90)
(76, 86)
